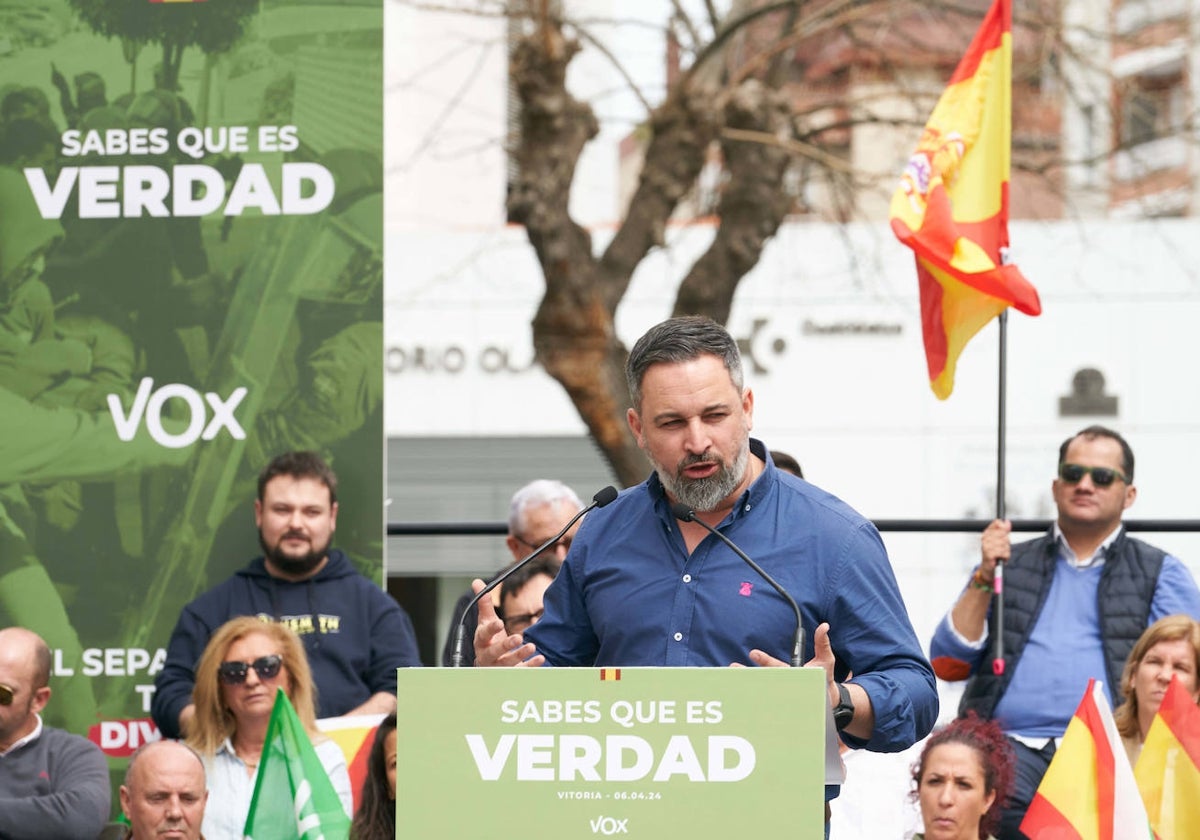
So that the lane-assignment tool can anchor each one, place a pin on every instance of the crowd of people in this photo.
(643, 581)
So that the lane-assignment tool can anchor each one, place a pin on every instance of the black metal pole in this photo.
(1001, 430)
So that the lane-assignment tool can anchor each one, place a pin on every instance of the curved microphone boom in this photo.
(601, 499)
(686, 514)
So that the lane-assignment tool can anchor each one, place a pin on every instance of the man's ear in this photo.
(258, 512)
(126, 801)
(514, 547)
(635, 425)
(40, 698)
(1130, 496)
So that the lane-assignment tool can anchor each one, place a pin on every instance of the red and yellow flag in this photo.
(1168, 770)
(1088, 792)
(951, 206)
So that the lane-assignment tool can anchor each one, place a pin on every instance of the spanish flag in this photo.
(1088, 792)
(951, 206)
(1168, 770)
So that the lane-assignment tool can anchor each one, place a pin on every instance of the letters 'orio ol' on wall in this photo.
(190, 283)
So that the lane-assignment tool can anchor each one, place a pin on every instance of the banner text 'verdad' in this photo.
(613, 757)
(163, 189)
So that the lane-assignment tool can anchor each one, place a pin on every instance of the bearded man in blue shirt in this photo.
(641, 587)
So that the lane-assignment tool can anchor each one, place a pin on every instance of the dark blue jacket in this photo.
(354, 633)
(1127, 585)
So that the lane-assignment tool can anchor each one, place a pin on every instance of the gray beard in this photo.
(705, 494)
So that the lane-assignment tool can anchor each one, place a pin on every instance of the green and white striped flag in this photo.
(293, 797)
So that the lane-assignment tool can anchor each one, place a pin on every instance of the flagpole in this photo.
(1001, 430)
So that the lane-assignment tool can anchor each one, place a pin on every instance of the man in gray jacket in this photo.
(53, 785)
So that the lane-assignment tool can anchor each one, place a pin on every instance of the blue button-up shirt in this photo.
(630, 594)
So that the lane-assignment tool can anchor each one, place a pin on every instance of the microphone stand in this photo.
(601, 499)
(686, 514)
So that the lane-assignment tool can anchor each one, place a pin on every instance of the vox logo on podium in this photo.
(149, 406)
(609, 826)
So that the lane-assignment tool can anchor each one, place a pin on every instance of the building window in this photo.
(1151, 108)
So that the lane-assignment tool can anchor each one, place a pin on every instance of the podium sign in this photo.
(590, 752)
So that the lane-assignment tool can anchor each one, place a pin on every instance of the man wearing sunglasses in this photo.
(354, 633)
(52, 783)
(1075, 601)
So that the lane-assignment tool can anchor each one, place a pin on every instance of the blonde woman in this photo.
(1168, 647)
(244, 663)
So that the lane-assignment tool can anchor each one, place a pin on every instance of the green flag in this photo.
(293, 797)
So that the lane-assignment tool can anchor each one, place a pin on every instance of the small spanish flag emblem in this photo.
(610, 674)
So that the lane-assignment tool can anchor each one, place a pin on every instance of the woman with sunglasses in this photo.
(244, 663)
(376, 817)
(1170, 647)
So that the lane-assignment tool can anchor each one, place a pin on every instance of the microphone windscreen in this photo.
(608, 494)
(682, 512)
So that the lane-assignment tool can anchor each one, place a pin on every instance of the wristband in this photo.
(979, 582)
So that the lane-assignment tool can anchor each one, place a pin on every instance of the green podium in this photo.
(601, 752)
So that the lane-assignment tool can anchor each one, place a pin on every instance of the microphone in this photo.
(685, 514)
(601, 499)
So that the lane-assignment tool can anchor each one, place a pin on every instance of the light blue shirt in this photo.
(1065, 649)
(230, 788)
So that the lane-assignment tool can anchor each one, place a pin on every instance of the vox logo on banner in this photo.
(609, 826)
(148, 405)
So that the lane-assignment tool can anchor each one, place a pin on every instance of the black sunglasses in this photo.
(1101, 476)
(234, 673)
(6, 695)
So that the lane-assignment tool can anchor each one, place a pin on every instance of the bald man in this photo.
(53, 785)
(164, 792)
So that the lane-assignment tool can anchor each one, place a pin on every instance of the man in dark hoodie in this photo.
(355, 635)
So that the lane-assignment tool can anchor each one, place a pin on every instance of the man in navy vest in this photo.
(1075, 601)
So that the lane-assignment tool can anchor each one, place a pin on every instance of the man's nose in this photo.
(697, 440)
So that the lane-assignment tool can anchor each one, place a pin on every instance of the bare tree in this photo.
(762, 82)
(733, 95)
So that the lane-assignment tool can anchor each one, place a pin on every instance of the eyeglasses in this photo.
(234, 673)
(517, 623)
(1101, 476)
(564, 544)
(6, 694)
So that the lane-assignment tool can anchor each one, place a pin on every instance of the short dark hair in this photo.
(1093, 432)
(679, 340)
(786, 463)
(995, 756)
(546, 564)
(299, 465)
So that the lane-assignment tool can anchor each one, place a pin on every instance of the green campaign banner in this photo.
(190, 283)
(631, 752)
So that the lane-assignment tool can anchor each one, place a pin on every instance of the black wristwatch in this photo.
(843, 712)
